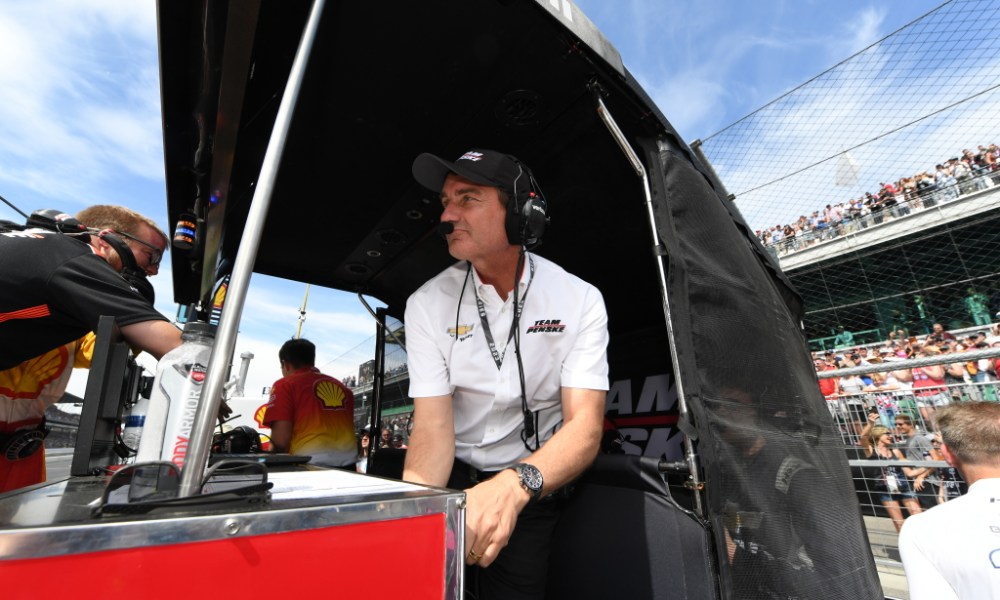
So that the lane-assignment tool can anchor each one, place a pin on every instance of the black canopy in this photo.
(385, 83)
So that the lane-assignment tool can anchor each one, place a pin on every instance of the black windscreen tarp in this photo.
(778, 489)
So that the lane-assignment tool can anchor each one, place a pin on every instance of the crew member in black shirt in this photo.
(57, 286)
(57, 282)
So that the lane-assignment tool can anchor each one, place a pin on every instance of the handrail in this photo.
(910, 363)
(815, 237)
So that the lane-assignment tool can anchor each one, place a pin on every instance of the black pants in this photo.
(520, 570)
(928, 496)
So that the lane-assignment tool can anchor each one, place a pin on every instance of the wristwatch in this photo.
(531, 479)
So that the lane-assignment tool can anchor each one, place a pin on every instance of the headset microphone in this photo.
(444, 228)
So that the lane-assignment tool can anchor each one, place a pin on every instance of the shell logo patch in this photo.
(258, 415)
(29, 379)
(330, 394)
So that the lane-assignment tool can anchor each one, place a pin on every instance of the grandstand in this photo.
(906, 257)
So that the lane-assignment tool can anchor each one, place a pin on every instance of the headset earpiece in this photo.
(130, 272)
(55, 220)
(527, 211)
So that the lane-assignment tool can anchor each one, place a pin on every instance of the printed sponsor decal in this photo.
(473, 156)
(461, 333)
(195, 372)
(21, 234)
(330, 394)
(547, 326)
(645, 411)
(258, 415)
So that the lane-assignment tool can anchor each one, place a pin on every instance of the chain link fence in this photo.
(875, 183)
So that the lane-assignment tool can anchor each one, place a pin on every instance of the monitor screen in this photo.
(112, 386)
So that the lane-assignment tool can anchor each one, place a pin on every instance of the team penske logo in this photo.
(473, 156)
(547, 326)
(460, 332)
(330, 394)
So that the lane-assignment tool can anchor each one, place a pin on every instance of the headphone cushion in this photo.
(526, 220)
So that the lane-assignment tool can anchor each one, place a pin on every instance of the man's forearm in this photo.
(155, 337)
(431, 452)
(429, 456)
(573, 448)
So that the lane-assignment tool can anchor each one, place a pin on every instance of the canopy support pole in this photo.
(225, 340)
(659, 251)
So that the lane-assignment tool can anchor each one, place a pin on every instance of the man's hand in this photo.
(491, 512)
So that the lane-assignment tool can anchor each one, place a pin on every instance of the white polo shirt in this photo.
(953, 549)
(564, 340)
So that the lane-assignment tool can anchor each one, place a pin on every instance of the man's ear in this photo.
(100, 246)
(949, 457)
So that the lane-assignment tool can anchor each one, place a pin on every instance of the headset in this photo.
(239, 440)
(131, 273)
(55, 220)
(527, 210)
(22, 444)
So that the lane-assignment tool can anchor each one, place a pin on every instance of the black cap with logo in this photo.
(485, 167)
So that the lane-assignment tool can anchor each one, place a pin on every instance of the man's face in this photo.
(938, 328)
(478, 216)
(148, 248)
(903, 428)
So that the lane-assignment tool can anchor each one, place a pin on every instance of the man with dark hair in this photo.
(56, 286)
(508, 370)
(953, 549)
(309, 413)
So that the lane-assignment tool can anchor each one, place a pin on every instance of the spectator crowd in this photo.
(890, 414)
(971, 172)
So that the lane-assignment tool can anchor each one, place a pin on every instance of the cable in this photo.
(458, 309)
(19, 211)
(530, 419)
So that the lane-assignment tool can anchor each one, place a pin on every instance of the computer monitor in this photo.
(113, 385)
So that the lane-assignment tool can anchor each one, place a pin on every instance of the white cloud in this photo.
(857, 33)
(81, 99)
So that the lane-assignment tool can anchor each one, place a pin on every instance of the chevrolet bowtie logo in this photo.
(461, 331)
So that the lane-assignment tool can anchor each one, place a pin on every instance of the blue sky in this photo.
(80, 116)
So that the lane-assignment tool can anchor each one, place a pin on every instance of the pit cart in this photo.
(289, 131)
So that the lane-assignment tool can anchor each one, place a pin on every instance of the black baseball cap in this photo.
(485, 167)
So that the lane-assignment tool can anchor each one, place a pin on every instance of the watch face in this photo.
(531, 477)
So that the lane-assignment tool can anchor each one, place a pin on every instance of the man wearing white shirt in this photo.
(508, 370)
(953, 550)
